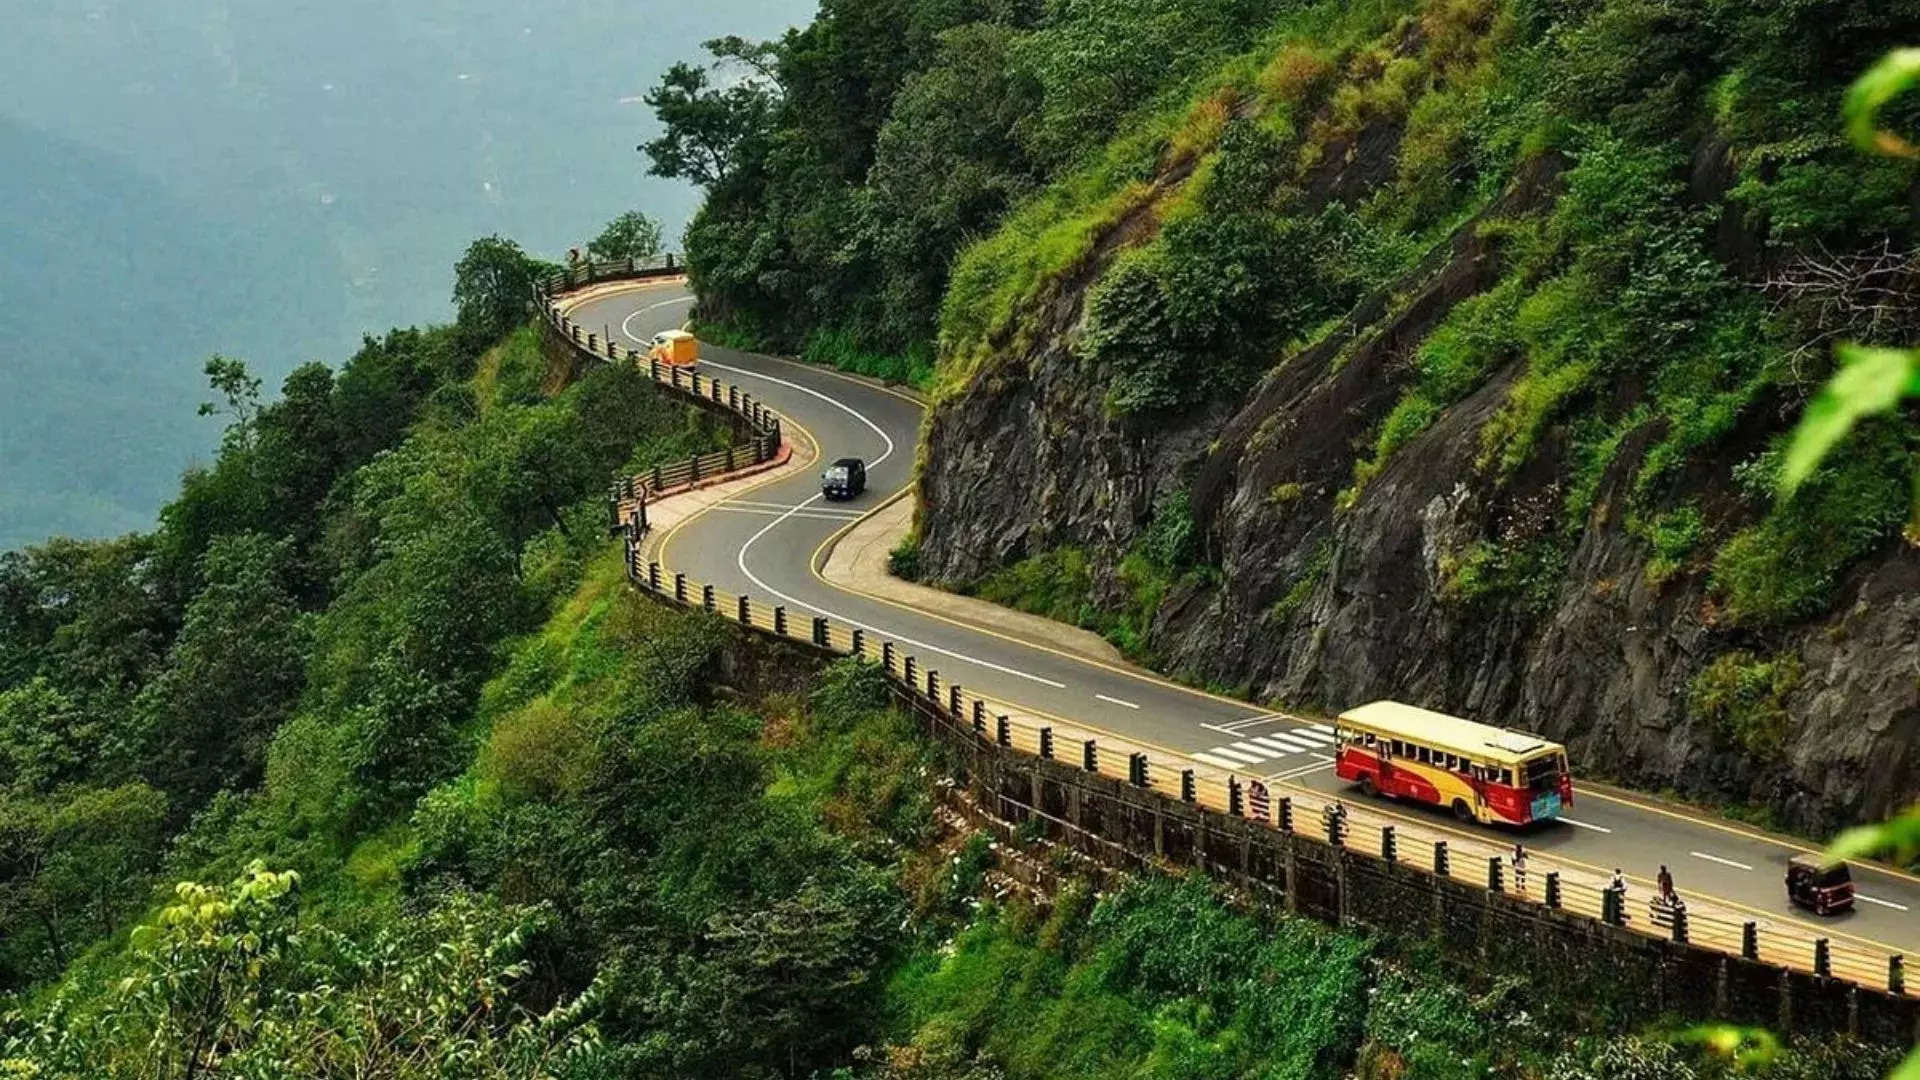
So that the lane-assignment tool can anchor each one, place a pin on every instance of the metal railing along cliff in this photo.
(1556, 884)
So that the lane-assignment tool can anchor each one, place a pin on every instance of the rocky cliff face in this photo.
(1320, 606)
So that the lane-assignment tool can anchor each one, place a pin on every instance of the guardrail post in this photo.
(733, 398)
(653, 368)
(746, 611)
(1553, 889)
(886, 657)
(1332, 822)
(1896, 974)
(706, 597)
(653, 576)
(933, 685)
(1046, 743)
(907, 668)
(953, 700)
(1613, 904)
(780, 620)
(980, 718)
(1137, 769)
(1003, 731)
(657, 482)
(680, 588)
(1750, 940)
(1186, 785)
(1680, 925)
(1822, 958)
(1089, 756)
(1495, 879)
(1283, 814)
(1235, 805)
(1440, 858)
(859, 643)
(593, 341)
(1388, 849)
(693, 467)
(820, 631)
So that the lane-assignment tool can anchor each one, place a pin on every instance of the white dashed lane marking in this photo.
(1718, 859)
(1116, 701)
(1877, 900)
(1583, 825)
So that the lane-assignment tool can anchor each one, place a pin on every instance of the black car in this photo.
(844, 479)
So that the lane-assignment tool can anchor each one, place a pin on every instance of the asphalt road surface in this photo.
(770, 541)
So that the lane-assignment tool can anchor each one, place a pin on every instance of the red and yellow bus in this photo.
(1482, 773)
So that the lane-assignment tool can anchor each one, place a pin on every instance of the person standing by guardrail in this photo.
(1519, 868)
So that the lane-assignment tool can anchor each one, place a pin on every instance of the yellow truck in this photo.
(675, 348)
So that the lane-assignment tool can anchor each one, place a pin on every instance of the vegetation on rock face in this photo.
(1607, 245)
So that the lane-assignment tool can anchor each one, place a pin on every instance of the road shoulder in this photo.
(857, 562)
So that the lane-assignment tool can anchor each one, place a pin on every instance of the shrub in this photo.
(1745, 699)
(1785, 566)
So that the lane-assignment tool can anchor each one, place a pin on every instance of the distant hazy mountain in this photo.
(269, 180)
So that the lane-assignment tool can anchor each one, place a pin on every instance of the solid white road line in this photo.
(1116, 701)
(741, 558)
(741, 561)
(1877, 900)
(842, 406)
(1583, 825)
(789, 506)
(626, 324)
(1718, 859)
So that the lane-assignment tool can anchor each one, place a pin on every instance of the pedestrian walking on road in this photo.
(1519, 868)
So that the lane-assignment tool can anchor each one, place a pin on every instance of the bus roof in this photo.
(1447, 732)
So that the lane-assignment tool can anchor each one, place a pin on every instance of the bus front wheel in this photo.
(1462, 811)
(1368, 787)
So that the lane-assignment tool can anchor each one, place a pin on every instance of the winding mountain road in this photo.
(771, 540)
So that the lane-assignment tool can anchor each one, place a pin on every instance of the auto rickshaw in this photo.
(1820, 887)
(675, 348)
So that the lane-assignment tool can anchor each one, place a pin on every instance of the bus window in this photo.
(1369, 739)
(1453, 762)
(1426, 756)
(1506, 777)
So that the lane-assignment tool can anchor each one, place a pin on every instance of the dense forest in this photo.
(1477, 323)
(366, 761)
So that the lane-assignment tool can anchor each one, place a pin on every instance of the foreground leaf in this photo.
(1870, 380)
(1896, 72)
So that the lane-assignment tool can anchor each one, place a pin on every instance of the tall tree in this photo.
(632, 235)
